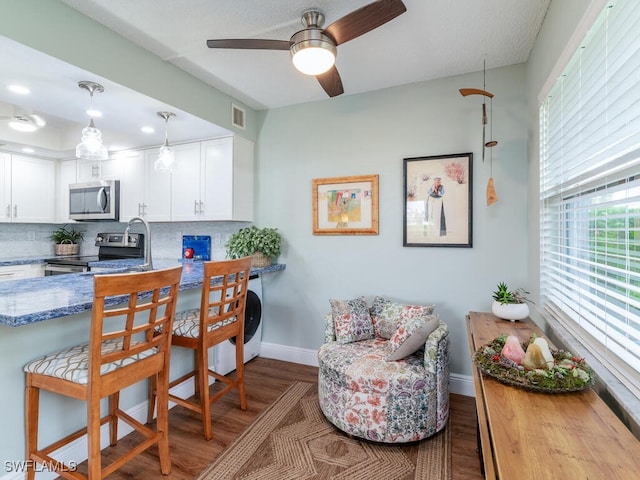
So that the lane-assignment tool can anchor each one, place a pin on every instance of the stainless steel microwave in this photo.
(95, 201)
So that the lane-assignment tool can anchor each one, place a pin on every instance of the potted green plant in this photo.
(66, 240)
(510, 304)
(262, 244)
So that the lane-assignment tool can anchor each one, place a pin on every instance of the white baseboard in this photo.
(459, 384)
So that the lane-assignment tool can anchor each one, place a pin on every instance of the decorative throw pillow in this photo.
(351, 320)
(386, 315)
(411, 335)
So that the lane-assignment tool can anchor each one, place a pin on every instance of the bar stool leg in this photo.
(240, 373)
(162, 422)
(93, 437)
(203, 380)
(153, 388)
(114, 403)
(32, 408)
(196, 367)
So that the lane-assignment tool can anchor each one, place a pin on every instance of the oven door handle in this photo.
(102, 199)
(65, 268)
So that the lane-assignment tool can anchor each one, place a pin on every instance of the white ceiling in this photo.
(432, 39)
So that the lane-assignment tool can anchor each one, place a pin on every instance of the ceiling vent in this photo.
(237, 117)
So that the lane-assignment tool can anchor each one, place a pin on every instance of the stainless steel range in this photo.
(112, 246)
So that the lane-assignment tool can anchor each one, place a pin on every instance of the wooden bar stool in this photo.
(219, 318)
(122, 350)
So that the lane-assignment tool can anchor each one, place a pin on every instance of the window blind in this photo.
(590, 193)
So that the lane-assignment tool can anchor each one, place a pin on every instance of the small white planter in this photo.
(510, 311)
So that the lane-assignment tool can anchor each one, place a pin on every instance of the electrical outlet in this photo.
(217, 239)
(178, 236)
(31, 236)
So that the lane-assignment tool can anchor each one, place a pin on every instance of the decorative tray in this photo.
(568, 374)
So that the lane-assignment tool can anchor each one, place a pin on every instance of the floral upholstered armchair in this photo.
(384, 370)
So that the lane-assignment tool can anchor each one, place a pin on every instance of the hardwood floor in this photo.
(266, 379)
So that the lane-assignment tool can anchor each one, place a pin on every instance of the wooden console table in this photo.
(532, 435)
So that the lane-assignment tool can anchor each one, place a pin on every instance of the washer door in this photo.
(252, 316)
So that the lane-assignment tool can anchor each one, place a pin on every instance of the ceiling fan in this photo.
(314, 40)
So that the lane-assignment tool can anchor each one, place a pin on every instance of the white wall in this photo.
(371, 134)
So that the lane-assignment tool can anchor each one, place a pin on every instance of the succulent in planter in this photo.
(510, 304)
(505, 296)
(66, 240)
(261, 243)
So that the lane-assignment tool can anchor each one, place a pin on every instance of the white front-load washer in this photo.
(225, 353)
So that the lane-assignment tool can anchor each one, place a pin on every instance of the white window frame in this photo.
(590, 164)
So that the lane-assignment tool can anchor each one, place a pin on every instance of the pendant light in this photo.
(166, 158)
(91, 146)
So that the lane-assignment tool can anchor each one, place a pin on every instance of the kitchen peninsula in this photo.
(36, 299)
(44, 314)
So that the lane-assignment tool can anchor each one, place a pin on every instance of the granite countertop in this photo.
(23, 260)
(32, 300)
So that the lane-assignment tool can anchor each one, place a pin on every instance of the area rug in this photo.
(292, 440)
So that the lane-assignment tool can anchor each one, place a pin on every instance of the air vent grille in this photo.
(237, 116)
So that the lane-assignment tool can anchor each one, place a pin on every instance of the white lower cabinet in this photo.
(16, 272)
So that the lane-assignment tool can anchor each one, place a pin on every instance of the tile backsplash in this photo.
(32, 239)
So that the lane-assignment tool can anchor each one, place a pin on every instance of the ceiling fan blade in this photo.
(364, 20)
(250, 43)
(331, 82)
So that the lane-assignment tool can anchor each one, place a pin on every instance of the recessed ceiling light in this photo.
(147, 130)
(22, 124)
(28, 150)
(19, 89)
(93, 113)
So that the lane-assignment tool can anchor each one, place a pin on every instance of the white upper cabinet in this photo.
(187, 201)
(28, 189)
(214, 181)
(157, 190)
(5, 184)
(228, 179)
(67, 175)
(109, 169)
(133, 202)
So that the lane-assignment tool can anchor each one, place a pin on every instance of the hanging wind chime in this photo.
(491, 191)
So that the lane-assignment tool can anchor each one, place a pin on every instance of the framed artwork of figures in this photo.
(438, 201)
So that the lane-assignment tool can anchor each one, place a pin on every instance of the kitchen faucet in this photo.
(148, 264)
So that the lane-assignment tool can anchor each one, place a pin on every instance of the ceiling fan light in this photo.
(312, 52)
(91, 146)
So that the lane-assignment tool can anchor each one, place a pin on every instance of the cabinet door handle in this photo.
(201, 209)
(15, 211)
(195, 207)
(9, 211)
